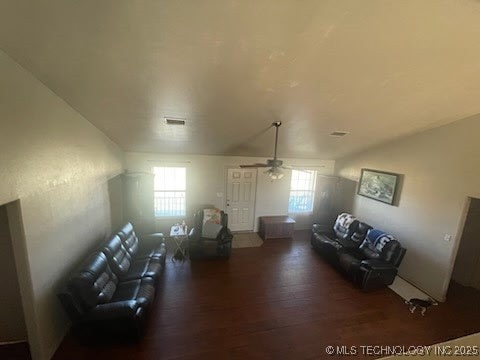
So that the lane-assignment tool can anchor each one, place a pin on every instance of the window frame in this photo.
(184, 191)
(312, 191)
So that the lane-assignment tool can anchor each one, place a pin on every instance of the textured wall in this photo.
(440, 171)
(58, 165)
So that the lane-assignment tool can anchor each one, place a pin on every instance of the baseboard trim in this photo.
(12, 342)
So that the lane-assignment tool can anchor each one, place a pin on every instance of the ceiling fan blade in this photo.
(254, 166)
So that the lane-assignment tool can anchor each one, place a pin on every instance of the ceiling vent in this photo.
(339, 133)
(173, 121)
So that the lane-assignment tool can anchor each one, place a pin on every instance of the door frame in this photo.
(456, 245)
(254, 209)
(20, 253)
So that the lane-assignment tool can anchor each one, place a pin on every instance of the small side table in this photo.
(180, 237)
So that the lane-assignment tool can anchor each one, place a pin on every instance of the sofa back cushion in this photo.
(95, 283)
(117, 255)
(345, 225)
(129, 238)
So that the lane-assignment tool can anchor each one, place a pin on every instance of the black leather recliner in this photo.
(369, 257)
(200, 247)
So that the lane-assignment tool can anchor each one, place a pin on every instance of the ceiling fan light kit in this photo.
(274, 173)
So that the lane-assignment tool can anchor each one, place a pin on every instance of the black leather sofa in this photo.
(200, 247)
(369, 257)
(113, 289)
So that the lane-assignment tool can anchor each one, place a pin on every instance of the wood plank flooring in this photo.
(18, 351)
(278, 301)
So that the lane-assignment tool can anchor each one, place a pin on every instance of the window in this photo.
(302, 191)
(170, 184)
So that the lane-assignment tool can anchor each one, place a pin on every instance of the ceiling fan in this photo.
(274, 164)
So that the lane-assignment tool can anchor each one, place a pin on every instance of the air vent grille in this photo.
(173, 121)
(339, 133)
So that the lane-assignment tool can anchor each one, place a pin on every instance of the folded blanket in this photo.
(376, 239)
(345, 220)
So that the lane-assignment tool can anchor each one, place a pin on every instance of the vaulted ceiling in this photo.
(377, 69)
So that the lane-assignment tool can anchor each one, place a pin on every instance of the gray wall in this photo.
(441, 170)
(12, 323)
(58, 165)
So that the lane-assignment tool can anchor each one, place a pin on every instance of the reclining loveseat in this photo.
(113, 289)
(369, 257)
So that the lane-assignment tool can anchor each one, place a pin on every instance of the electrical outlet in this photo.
(219, 194)
(447, 237)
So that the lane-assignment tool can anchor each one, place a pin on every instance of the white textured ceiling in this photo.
(378, 69)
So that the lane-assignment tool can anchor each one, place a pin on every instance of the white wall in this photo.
(207, 177)
(58, 165)
(441, 169)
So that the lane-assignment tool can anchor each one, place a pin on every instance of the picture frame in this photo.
(378, 185)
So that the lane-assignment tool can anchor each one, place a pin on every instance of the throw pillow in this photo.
(212, 215)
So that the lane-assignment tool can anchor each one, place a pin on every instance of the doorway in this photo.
(241, 190)
(466, 270)
(13, 331)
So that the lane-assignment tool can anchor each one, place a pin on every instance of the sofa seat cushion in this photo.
(143, 268)
(141, 290)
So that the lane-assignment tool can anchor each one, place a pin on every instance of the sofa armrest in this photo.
(375, 264)
(114, 310)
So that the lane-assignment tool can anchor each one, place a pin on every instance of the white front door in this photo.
(241, 188)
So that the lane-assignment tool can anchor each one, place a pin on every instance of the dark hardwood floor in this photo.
(18, 351)
(279, 301)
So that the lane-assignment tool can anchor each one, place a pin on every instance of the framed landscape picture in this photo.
(378, 185)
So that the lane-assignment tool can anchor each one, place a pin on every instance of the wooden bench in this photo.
(276, 227)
